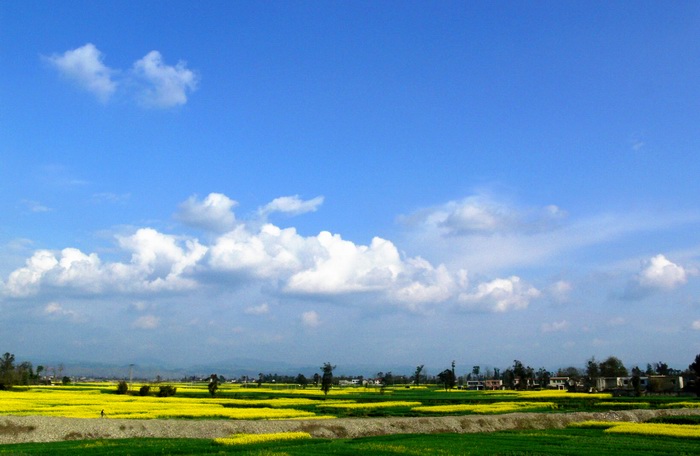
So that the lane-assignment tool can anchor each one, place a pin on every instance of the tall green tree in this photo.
(612, 367)
(695, 369)
(7, 371)
(448, 378)
(326, 378)
(416, 374)
(213, 384)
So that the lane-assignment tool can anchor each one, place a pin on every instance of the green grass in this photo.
(540, 442)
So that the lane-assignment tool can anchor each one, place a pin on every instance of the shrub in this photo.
(166, 391)
(122, 387)
(144, 390)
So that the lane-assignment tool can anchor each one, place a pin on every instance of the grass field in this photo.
(568, 441)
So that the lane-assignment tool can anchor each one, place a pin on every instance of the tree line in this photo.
(517, 376)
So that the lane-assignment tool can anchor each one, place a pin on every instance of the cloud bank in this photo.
(279, 259)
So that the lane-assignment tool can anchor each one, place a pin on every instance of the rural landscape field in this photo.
(91, 418)
(352, 227)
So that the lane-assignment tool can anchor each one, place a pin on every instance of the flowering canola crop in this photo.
(247, 439)
(496, 407)
(89, 404)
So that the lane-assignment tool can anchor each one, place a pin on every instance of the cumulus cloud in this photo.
(164, 86)
(146, 322)
(291, 205)
(281, 261)
(310, 319)
(696, 325)
(661, 273)
(500, 295)
(556, 326)
(214, 213)
(158, 262)
(158, 85)
(84, 66)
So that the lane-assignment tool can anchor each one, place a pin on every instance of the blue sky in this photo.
(377, 183)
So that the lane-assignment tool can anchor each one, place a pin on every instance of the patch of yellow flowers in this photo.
(368, 405)
(670, 430)
(496, 407)
(89, 404)
(549, 394)
(248, 439)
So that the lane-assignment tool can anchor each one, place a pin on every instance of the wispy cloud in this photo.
(262, 309)
(146, 322)
(556, 326)
(35, 206)
(310, 319)
(291, 205)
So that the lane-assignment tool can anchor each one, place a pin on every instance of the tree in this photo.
(416, 374)
(7, 371)
(447, 378)
(122, 387)
(695, 369)
(213, 384)
(386, 379)
(327, 378)
(475, 371)
(519, 374)
(301, 380)
(661, 368)
(612, 367)
(543, 377)
(637, 380)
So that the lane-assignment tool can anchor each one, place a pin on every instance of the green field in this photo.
(563, 442)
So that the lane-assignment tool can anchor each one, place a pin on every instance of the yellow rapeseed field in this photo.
(671, 430)
(81, 403)
(247, 439)
(368, 405)
(496, 407)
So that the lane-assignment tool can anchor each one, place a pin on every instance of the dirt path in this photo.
(18, 429)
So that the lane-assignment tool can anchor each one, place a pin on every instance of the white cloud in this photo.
(146, 322)
(696, 325)
(292, 205)
(310, 319)
(84, 66)
(158, 262)
(262, 309)
(214, 213)
(501, 295)
(556, 326)
(279, 260)
(483, 215)
(54, 309)
(659, 272)
(165, 85)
